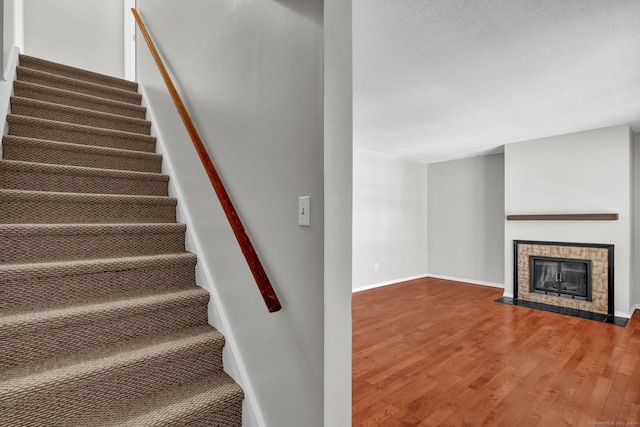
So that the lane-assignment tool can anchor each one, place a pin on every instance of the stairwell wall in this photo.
(251, 76)
(11, 30)
(84, 34)
(5, 52)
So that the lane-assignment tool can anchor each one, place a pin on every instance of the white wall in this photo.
(586, 172)
(5, 52)
(10, 37)
(338, 147)
(251, 75)
(389, 219)
(82, 33)
(466, 219)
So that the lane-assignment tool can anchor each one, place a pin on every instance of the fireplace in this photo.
(564, 277)
(568, 275)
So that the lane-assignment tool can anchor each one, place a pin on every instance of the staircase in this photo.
(101, 323)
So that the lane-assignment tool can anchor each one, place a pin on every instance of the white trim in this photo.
(508, 295)
(129, 41)
(623, 314)
(6, 90)
(387, 283)
(473, 282)
(18, 24)
(629, 314)
(233, 362)
(435, 276)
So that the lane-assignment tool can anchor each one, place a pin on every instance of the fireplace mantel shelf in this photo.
(565, 217)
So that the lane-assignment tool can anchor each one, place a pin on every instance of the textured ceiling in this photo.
(437, 80)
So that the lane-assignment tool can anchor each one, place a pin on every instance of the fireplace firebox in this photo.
(564, 277)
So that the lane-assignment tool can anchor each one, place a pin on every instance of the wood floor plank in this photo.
(432, 352)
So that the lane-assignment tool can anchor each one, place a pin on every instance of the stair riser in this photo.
(41, 289)
(75, 73)
(54, 154)
(48, 248)
(17, 211)
(88, 333)
(25, 179)
(72, 400)
(79, 136)
(73, 86)
(80, 118)
(73, 99)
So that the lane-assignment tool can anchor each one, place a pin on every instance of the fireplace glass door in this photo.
(569, 278)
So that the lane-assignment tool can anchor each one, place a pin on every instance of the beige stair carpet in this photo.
(101, 322)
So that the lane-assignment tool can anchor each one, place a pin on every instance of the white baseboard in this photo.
(389, 282)
(623, 314)
(507, 294)
(422, 276)
(473, 282)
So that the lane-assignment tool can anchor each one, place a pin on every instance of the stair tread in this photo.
(17, 387)
(89, 197)
(35, 243)
(48, 207)
(16, 118)
(128, 343)
(180, 404)
(80, 100)
(42, 151)
(21, 322)
(32, 61)
(45, 78)
(89, 229)
(67, 146)
(33, 127)
(84, 266)
(19, 175)
(17, 100)
(81, 170)
(64, 283)
(16, 165)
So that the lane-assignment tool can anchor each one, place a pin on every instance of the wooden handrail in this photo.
(268, 294)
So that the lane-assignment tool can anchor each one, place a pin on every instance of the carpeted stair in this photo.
(101, 322)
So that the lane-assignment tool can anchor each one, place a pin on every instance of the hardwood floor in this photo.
(433, 352)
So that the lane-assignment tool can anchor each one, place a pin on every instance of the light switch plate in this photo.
(304, 218)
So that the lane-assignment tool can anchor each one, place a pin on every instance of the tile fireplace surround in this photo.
(601, 257)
